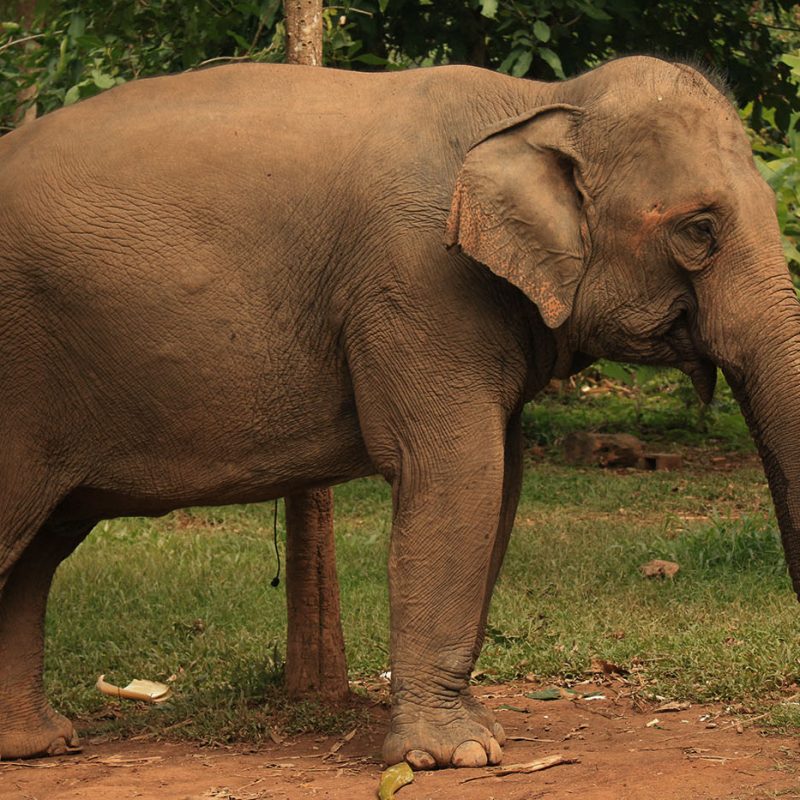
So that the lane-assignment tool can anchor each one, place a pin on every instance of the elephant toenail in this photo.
(499, 733)
(420, 759)
(495, 751)
(469, 754)
(58, 747)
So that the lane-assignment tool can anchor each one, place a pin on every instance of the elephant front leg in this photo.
(448, 509)
(512, 485)
(28, 725)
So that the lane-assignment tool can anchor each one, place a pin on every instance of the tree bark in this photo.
(315, 658)
(26, 12)
(304, 32)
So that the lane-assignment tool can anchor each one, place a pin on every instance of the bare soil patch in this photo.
(698, 752)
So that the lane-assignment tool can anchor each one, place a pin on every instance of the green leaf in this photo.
(617, 372)
(73, 95)
(541, 30)
(592, 11)
(508, 61)
(522, 64)
(77, 26)
(790, 252)
(554, 62)
(371, 59)
(489, 8)
(102, 80)
(545, 694)
(793, 62)
(382, 5)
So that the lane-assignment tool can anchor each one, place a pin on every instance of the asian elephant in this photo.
(229, 285)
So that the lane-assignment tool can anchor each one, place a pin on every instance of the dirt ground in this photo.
(623, 750)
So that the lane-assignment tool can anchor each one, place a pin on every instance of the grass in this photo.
(189, 595)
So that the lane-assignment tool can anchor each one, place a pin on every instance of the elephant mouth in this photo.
(701, 371)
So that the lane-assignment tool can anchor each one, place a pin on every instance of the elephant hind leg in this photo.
(28, 725)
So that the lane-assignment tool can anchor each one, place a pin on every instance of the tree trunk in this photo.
(315, 659)
(26, 11)
(304, 32)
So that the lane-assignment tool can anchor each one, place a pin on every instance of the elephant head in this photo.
(628, 208)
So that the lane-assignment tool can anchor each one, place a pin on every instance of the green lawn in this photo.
(189, 594)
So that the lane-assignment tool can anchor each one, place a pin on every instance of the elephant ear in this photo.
(518, 208)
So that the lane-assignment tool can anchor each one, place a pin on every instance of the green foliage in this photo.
(75, 51)
(658, 404)
(79, 51)
(552, 38)
(777, 157)
(724, 545)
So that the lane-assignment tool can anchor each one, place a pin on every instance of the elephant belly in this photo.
(214, 396)
(213, 462)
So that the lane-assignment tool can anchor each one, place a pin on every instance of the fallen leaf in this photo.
(659, 569)
(606, 667)
(275, 736)
(394, 779)
(506, 707)
(673, 706)
(342, 742)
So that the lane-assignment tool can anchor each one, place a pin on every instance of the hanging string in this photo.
(277, 579)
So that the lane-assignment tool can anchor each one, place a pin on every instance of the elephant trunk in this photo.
(765, 379)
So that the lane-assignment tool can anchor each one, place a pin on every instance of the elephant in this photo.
(238, 283)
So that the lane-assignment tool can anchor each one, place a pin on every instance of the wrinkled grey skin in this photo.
(225, 286)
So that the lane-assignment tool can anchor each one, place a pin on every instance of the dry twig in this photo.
(525, 769)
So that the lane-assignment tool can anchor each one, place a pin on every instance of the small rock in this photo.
(659, 569)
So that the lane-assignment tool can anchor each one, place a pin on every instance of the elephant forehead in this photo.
(668, 135)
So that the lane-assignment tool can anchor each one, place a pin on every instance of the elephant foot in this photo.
(483, 715)
(50, 734)
(441, 738)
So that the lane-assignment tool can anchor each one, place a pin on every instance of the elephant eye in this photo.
(701, 229)
(701, 232)
(696, 241)
(704, 227)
